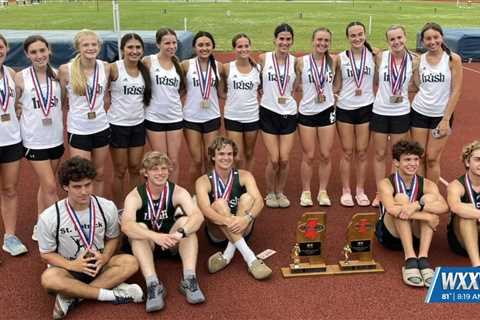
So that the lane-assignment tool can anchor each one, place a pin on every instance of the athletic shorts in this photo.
(127, 136)
(88, 142)
(388, 240)
(203, 127)
(322, 119)
(390, 124)
(156, 126)
(11, 153)
(453, 241)
(357, 116)
(222, 244)
(274, 123)
(419, 120)
(44, 154)
(234, 125)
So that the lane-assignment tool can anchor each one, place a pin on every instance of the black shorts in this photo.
(44, 154)
(11, 153)
(390, 124)
(388, 240)
(203, 127)
(233, 125)
(155, 126)
(419, 120)
(357, 116)
(274, 123)
(222, 244)
(453, 241)
(322, 119)
(127, 136)
(88, 142)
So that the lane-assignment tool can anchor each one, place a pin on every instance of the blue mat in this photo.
(61, 43)
(465, 42)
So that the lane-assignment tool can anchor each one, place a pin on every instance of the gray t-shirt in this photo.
(70, 245)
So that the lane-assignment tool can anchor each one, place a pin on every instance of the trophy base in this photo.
(331, 269)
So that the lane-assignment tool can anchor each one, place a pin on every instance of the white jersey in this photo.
(242, 91)
(271, 92)
(38, 132)
(309, 104)
(193, 110)
(9, 126)
(165, 106)
(435, 87)
(77, 117)
(347, 99)
(70, 245)
(382, 104)
(127, 98)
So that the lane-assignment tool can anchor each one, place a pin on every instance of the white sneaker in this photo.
(306, 199)
(126, 293)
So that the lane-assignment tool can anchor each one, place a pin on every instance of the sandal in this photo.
(427, 275)
(362, 200)
(412, 277)
(346, 200)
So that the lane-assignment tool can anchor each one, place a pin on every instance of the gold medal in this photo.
(5, 117)
(358, 92)
(91, 115)
(205, 103)
(396, 99)
(320, 98)
(47, 121)
(282, 100)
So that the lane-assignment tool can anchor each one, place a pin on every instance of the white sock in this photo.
(105, 295)
(245, 251)
(229, 251)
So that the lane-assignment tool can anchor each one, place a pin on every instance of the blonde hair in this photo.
(77, 76)
(468, 150)
(154, 158)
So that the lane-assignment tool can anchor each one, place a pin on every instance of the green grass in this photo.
(257, 19)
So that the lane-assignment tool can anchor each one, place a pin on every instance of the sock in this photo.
(106, 295)
(151, 280)
(246, 252)
(411, 263)
(229, 251)
(423, 263)
(188, 273)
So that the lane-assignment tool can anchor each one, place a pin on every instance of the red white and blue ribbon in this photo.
(88, 242)
(400, 186)
(397, 75)
(281, 84)
(318, 75)
(358, 73)
(154, 214)
(470, 190)
(91, 94)
(222, 190)
(46, 101)
(4, 94)
(205, 81)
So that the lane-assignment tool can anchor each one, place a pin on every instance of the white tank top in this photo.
(9, 130)
(165, 106)
(127, 98)
(309, 104)
(435, 87)
(77, 117)
(271, 92)
(242, 89)
(347, 99)
(382, 104)
(193, 110)
(37, 131)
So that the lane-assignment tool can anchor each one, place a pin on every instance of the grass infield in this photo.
(257, 19)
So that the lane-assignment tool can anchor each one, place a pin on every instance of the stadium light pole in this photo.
(116, 24)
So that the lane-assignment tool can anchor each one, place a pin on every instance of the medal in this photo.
(87, 242)
(400, 186)
(397, 77)
(45, 101)
(155, 215)
(205, 83)
(5, 117)
(470, 192)
(91, 94)
(281, 84)
(318, 77)
(358, 73)
(47, 122)
(91, 115)
(222, 190)
(4, 96)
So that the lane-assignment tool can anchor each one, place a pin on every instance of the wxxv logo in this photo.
(455, 285)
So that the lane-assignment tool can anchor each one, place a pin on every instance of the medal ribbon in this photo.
(205, 82)
(400, 186)
(4, 96)
(318, 76)
(282, 85)
(46, 102)
(91, 95)
(397, 76)
(470, 191)
(220, 189)
(358, 74)
(154, 215)
(88, 242)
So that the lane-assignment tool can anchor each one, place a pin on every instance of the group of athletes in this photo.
(119, 106)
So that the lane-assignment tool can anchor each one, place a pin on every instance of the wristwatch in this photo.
(182, 232)
(421, 202)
